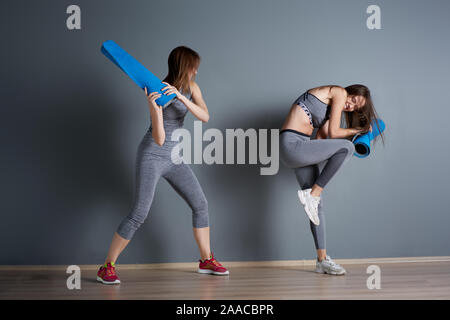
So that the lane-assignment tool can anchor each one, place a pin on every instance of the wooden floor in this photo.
(416, 280)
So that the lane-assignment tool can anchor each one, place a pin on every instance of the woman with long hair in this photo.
(154, 161)
(316, 161)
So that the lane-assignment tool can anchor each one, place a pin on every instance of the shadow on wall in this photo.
(76, 190)
(245, 196)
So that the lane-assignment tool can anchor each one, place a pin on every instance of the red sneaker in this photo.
(107, 275)
(212, 266)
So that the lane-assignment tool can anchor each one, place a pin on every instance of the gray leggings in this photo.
(314, 162)
(153, 162)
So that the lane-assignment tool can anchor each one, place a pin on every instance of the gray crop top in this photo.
(173, 114)
(317, 111)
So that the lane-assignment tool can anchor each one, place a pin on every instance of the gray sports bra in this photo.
(173, 114)
(317, 111)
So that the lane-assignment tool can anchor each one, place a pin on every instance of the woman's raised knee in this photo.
(350, 147)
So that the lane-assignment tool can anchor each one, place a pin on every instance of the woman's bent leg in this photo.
(306, 176)
(201, 236)
(183, 180)
(148, 171)
(307, 152)
(115, 249)
(335, 163)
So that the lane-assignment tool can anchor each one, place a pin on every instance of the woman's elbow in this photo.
(159, 140)
(206, 119)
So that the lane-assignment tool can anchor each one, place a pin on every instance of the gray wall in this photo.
(71, 123)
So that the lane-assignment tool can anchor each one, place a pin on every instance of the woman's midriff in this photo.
(298, 120)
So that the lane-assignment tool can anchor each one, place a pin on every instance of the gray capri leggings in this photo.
(314, 162)
(153, 162)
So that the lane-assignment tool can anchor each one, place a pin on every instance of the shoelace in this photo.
(110, 271)
(215, 262)
(315, 201)
(332, 263)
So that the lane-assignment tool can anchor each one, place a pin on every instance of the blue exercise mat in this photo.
(136, 71)
(362, 141)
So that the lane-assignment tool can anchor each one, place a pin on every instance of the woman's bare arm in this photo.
(156, 114)
(198, 106)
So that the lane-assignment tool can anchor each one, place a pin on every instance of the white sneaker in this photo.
(311, 204)
(328, 266)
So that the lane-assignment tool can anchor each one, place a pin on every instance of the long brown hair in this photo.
(181, 60)
(363, 117)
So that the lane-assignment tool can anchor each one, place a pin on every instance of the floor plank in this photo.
(421, 280)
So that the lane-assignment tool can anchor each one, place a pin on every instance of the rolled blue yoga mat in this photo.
(362, 141)
(136, 71)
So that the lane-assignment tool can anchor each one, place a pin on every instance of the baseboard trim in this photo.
(237, 264)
